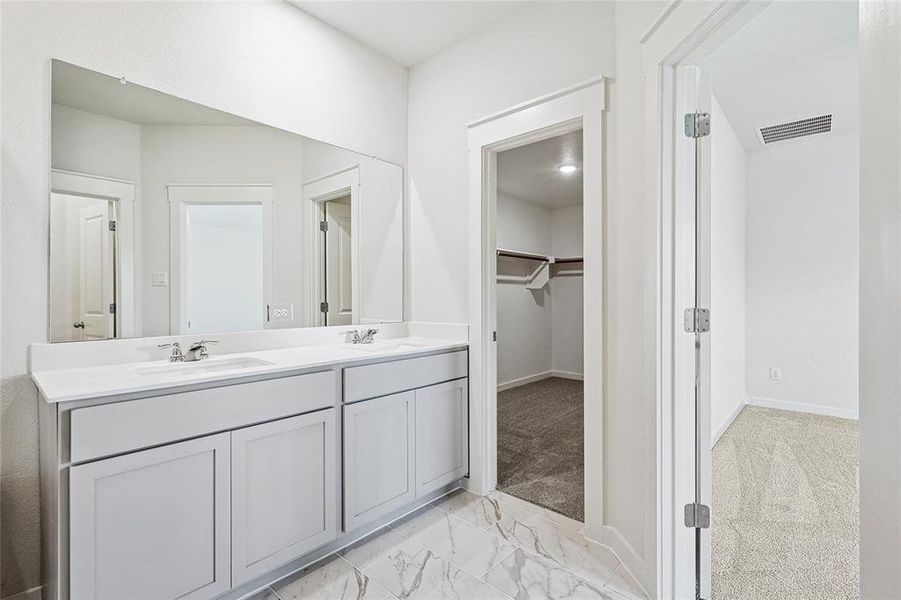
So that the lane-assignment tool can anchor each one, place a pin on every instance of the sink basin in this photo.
(191, 369)
(386, 347)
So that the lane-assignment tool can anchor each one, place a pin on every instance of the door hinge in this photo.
(697, 125)
(696, 320)
(323, 307)
(112, 308)
(493, 336)
(112, 225)
(697, 515)
(323, 225)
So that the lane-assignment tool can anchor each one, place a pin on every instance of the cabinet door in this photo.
(283, 492)
(152, 524)
(378, 458)
(442, 435)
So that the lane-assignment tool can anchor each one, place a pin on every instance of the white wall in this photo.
(728, 168)
(115, 145)
(265, 61)
(802, 295)
(567, 333)
(523, 315)
(880, 299)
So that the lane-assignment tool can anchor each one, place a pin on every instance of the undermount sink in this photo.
(387, 347)
(191, 369)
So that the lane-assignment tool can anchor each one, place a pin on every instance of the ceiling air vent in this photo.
(796, 129)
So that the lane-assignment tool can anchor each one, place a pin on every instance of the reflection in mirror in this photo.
(168, 217)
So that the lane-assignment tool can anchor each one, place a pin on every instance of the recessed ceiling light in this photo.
(567, 169)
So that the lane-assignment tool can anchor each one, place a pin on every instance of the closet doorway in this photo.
(579, 108)
(540, 400)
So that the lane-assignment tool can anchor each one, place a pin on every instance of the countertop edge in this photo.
(128, 392)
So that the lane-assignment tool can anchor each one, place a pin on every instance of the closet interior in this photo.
(540, 447)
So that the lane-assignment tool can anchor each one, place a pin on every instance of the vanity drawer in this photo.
(107, 429)
(381, 379)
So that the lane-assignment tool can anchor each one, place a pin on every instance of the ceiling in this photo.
(530, 172)
(408, 32)
(756, 86)
(104, 95)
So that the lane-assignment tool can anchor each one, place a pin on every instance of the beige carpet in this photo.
(785, 512)
(540, 452)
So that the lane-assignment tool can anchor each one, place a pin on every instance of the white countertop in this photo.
(65, 385)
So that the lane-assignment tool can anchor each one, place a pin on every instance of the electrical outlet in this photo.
(775, 374)
(281, 312)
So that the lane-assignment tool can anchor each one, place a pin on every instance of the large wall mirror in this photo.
(169, 217)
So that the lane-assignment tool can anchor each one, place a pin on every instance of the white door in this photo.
(442, 435)
(95, 267)
(152, 524)
(339, 262)
(379, 448)
(283, 492)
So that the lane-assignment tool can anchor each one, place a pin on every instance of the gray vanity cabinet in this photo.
(442, 435)
(152, 524)
(379, 467)
(283, 492)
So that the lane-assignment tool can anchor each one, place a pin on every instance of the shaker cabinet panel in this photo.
(442, 435)
(378, 458)
(283, 492)
(152, 524)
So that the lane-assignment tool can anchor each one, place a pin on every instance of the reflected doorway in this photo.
(337, 261)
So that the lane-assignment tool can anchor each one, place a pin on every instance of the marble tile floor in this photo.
(468, 547)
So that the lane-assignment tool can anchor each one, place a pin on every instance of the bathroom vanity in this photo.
(214, 478)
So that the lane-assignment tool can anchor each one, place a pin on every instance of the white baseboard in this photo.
(722, 428)
(538, 377)
(31, 594)
(815, 409)
(523, 381)
(568, 375)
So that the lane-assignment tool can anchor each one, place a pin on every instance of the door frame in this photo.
(677, 41)
(578, 107)
(122, 193)
(315, 192)
(182, 195)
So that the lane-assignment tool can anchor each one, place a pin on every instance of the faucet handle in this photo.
(202, 343)
(177, 355)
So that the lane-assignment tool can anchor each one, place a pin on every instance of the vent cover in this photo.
(796, 129)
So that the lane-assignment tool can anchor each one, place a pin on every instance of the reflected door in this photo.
(95, 265)
(224, 274)
(338, 284)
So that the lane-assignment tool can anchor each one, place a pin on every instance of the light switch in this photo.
(160, 278)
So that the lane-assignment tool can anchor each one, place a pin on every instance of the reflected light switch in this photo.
(160, 278)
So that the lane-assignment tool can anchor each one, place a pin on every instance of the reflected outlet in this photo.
(281, 312)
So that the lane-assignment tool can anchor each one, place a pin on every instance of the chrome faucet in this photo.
(197, 350)
(177, 355)
(367, 337)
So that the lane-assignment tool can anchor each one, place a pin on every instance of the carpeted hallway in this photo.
(540, 452)
(785, 512)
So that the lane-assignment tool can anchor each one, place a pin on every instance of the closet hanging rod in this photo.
(538, 257)
(525, 255)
